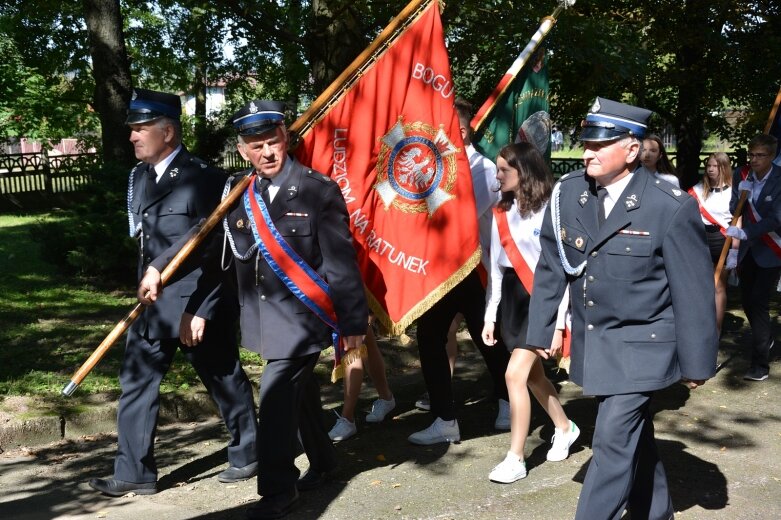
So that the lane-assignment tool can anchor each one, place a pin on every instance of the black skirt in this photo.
(715, 243)
(513, 311)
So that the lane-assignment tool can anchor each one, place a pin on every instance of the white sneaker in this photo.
(423, 403)
(439, 431)
(381, 408)
(512, 468)
(562, 440)
(342, 430)
(503, 417)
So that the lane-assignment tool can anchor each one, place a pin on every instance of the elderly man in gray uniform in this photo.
(632, 249)
(169, 192)
(298, 282)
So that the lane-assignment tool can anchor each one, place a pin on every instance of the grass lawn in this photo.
(50, 323)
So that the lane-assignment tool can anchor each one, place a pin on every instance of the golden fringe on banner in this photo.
(349, 357)
(425, 304)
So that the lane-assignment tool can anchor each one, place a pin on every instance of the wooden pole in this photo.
(728, 241)
(352, 74)
(166, 275)
(300, 127)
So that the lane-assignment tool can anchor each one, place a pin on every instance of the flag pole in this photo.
(331, 95)
(773, 111)
(546, 24)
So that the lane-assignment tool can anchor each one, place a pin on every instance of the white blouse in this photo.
(717, 204)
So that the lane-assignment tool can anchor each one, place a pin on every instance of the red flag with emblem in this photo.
(388, 134)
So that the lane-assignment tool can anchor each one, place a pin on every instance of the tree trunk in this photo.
(334, 41)
(111, 70)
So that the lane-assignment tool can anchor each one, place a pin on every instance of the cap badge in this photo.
(253, 108)
(596, 106)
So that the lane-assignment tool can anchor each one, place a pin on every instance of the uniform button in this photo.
(594, 254)
(653, 335)
(590, 278)
(146, 237)
(146, 214)
(170, 210)
(590, 303)
(262, 277)
(148, 258)
(590, 327)
(262, 297)
(293, 230)
(628, 249)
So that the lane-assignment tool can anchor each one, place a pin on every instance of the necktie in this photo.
(601, 194)
(264, 184)
(151, 180)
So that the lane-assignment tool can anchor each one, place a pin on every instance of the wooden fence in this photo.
(31, 173)
(43, 172)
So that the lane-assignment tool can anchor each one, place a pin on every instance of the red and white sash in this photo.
(771, 239)
(524, 272)
(514, 254)
(706, 214)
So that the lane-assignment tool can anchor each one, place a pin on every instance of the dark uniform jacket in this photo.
(768, 206)
(188, 192)
(310, 213)
(643, 313)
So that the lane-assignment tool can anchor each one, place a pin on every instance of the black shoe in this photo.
(117, 488)
(273, 506)
(756, 374)
(312, 479)
(234, 474)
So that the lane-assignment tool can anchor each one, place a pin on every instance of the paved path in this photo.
(721, 445)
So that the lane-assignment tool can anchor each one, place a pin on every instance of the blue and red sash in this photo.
(291, 269)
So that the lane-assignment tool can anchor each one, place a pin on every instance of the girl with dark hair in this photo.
(653, 157)
(526, 183)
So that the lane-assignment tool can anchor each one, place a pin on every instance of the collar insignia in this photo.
(583, 198)
(173, 173)
(631, 201)
(677, 193)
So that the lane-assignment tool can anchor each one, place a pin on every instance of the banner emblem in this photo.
(417, 164)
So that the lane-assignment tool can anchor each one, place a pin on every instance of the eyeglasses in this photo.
(758, 155)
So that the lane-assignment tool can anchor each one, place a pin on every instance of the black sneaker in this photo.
(756, 374)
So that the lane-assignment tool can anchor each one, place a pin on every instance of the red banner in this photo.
(392, 143)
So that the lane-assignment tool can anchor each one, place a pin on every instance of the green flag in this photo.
(517, 109)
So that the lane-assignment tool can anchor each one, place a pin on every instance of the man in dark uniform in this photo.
(632, 249)
(169, 192)
(759, 257)
(283, 316)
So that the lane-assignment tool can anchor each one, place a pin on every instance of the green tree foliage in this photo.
(688, 61)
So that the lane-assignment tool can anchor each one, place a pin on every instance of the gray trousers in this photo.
(290, 406)
(625, 470)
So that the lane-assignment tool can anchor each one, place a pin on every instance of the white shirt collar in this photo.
(614, 192)
(163, 165)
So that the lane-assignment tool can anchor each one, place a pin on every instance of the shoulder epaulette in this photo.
(572, 175)
(317, 176)
(671, 190)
